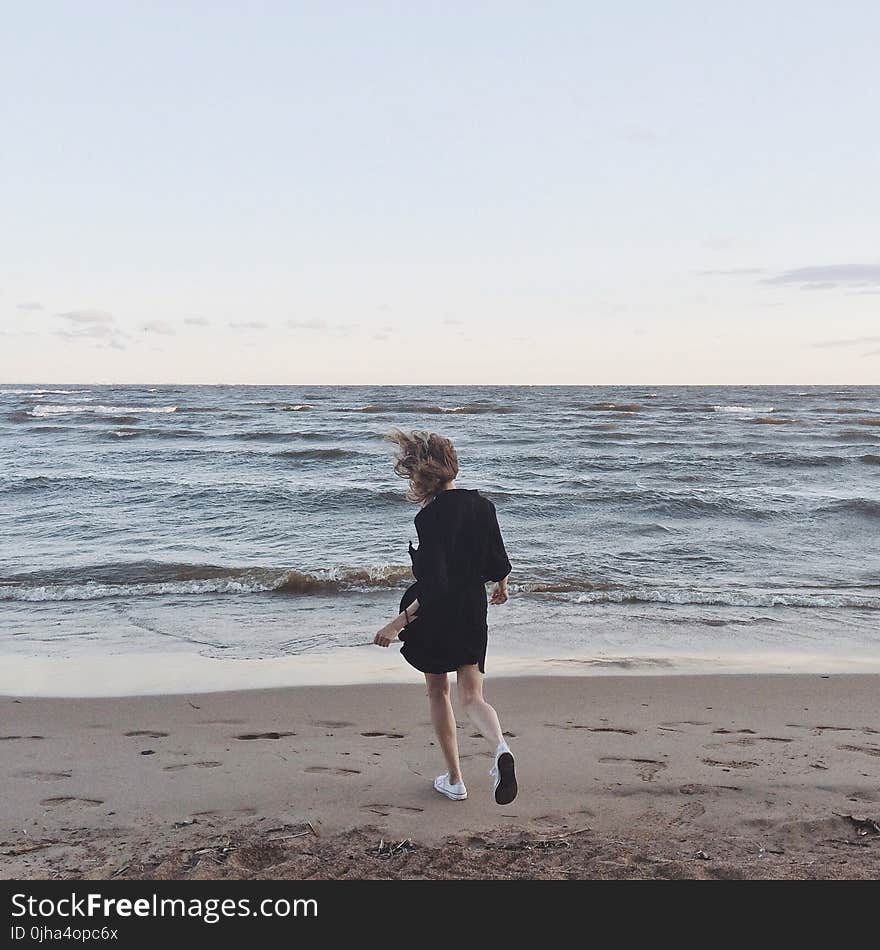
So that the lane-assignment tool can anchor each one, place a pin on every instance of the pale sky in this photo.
(450, 192)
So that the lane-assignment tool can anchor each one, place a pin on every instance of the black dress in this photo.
(460, 549)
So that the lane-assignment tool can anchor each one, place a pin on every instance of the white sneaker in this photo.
(504, 775)
(458, 793)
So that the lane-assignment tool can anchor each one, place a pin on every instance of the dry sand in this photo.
(624, 776)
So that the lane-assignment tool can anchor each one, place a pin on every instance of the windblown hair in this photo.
(427, 459)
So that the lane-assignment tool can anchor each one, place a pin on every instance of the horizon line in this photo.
(554, 385)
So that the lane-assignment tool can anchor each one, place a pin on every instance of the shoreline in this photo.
(180, 673)
(622, 775)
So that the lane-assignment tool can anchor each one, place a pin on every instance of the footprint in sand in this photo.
(10, 738)
(44, 776)
(69, 800)
(383, 735)
(730, 732)
(866, 749)
(332, 771)
(704, 789)
(265, 735)
(620, 730)
(867, 730)
(331, 723)
(380, 808)
(648, 768)
(723, 745)
(191, 765)
(689, 812)
(718, 763)
(148, 732)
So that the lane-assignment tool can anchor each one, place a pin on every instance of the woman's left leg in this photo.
(484, 717)
(480, 713)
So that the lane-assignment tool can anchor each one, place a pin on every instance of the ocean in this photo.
(647, 526)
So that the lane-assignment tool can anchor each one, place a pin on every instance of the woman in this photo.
(442, 619)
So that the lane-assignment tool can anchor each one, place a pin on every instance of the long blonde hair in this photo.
(427, 459)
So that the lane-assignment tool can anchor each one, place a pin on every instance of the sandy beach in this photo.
(620, 776)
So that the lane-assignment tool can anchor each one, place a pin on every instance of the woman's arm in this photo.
(432, 571)
(389, 632)
(497, 561)
(499, 592)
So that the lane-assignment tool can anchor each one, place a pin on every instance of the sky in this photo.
(440, 193)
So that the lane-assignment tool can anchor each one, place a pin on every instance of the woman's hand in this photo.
(387, 634)
(499, 593)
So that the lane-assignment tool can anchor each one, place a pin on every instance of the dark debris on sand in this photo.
(833, 848)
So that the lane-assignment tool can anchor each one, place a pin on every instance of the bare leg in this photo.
(444, 722)
(480, 713)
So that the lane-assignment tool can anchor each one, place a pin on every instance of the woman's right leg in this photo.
(443, 719)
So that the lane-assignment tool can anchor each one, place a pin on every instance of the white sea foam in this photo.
(741, 409)
(724, 599)
(96, 591)
(54, 410)
(43, 392)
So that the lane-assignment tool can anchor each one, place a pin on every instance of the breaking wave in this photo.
(146, 578)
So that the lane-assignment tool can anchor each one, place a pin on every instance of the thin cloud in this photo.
(722, 242)
(732, 272)
(162, 327)
(96, 325)
(452, 323)
(640, 136)
(196, 322)
(30, 306)
(827, 277)
(849, 341)
(87, 316)
(321, 326)
(96, 331)
(250, 325)
(871, 353)
(607, 308)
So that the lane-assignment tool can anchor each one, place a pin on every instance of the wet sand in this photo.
(620, 776)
